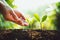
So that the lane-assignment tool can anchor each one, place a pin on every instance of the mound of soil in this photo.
(29, 35)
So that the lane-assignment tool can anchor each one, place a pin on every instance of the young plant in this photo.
(38, 19)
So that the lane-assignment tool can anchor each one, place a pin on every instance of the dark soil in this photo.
(29, 35)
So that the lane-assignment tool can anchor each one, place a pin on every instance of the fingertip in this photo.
(26, 24)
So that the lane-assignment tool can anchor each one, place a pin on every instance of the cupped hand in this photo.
(16, 17)
(12, 15)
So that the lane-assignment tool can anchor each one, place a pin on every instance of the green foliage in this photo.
(1, 18)
(44, 18)
(10, 2)
(37, 17)
(58, 7)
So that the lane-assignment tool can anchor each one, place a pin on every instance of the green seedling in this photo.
(36, 22)
(38, 18)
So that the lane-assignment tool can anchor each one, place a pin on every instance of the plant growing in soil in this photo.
(36, 21)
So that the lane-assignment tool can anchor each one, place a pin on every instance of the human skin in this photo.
(12, 15)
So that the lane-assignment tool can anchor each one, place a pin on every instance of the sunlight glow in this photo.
(24, 5)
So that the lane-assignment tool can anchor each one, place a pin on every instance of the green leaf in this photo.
(10, 2)
(58, 5)
(1, 18)
(37, 17)
(44, 18)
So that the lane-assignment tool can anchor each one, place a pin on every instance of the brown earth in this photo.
(29, 35)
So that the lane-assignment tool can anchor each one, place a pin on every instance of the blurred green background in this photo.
(40, 14)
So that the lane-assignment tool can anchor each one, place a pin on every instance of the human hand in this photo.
(19, 18)
(12, 15)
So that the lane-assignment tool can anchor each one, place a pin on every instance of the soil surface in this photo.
(29, 35)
